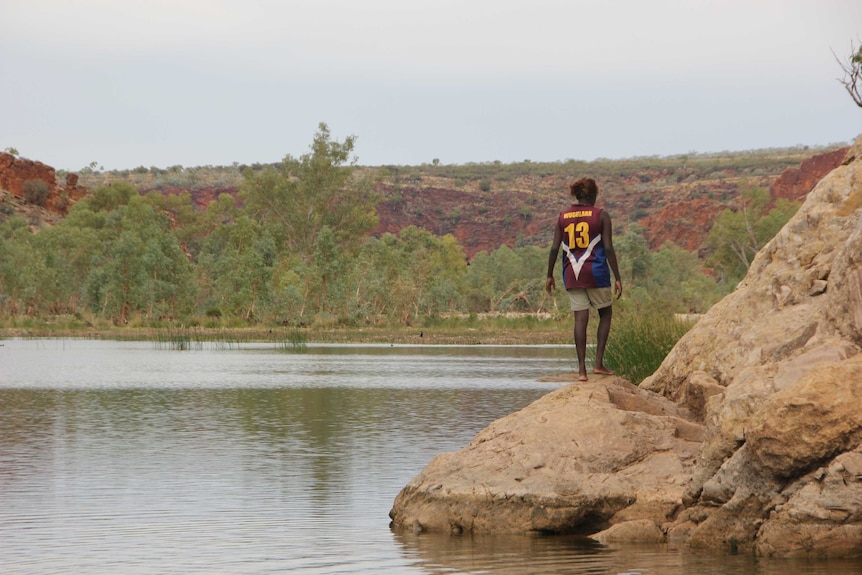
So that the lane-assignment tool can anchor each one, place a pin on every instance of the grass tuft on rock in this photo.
(639, 342)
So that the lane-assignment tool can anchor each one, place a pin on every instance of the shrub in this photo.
(36, 192)
(639, 342)
(62, 204)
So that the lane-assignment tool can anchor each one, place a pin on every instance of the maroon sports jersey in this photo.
(584, 262)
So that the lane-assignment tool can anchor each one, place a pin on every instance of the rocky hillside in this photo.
(487, 205)
(16, 174)
(748, 438)
(669, 203)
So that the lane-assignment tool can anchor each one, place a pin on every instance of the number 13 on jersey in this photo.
(579, 234)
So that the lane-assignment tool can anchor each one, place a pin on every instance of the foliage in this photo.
(740, 232)
(295, 250)
(140, 266)
(36, 192)
(407, 276)
(507, 280)
(296, 199)
(641, 340)
(852, 80)
(671, 278)
(20, 268)
(236, 263)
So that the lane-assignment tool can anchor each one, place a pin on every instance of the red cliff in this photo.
(16, 172)
(795, 183)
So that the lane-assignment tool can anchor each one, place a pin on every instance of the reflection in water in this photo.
(115, 457)
(571, 555)
(119, 458)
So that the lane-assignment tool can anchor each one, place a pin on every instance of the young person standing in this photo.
(584, 233)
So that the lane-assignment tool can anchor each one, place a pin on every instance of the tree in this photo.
(299, 197)
(236, 261)
(108, 198)
(188, 223)
(327, 262)
(68, 252)
(20, 265)
(406, 276)
(677, 282)
(141, 267)
(737, 235)
(852, 79)
(507, 280)
(634, 256)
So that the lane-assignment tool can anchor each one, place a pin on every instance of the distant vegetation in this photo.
(692, 166)
(294, 248)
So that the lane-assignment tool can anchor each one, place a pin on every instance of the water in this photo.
(119, 457)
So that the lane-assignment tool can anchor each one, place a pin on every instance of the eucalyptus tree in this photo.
(68, 252)
(406, 276)
(295, 199)
(679, 283)
(46, 272)
(19, 268)
(634, 256)
(141, 268)
(506, 280)
(738, 234)
(436, 265)
(329, 267)
(187, 222)
(236, 264)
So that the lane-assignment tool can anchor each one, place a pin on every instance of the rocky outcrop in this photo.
(747, 438)
(478, 219)
(686, 224)
(776, 473)
(15, 172)
(795, 183)
(579, 459)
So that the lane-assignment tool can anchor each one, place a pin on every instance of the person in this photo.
(585, 235)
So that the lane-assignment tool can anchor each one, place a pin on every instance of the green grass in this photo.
(639, 342)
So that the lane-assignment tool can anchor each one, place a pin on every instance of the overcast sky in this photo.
(127, 83)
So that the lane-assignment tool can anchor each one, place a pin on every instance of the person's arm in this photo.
(608, 241)
(550, 284)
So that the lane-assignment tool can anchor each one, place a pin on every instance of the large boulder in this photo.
(780, 358)
(579, 459)
(747, 438)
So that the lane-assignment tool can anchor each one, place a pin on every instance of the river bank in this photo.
(547, 333)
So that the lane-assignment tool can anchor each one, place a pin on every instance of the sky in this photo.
(128, 83)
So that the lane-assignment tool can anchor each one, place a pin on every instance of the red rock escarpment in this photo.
(795, 183)
(16, 172)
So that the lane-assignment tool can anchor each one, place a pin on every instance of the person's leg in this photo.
(582, 317)
(605, 315)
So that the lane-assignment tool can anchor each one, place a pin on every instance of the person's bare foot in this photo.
(582, 378)
(603, 371)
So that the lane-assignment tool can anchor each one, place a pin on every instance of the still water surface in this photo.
(119, 457)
